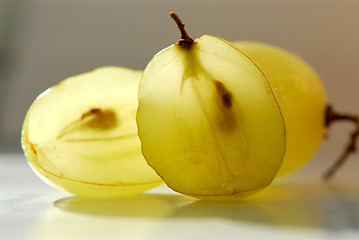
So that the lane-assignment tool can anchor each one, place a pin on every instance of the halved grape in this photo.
(301, 96)
(208, 120)
(81, 135)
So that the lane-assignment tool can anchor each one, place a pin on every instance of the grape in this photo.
(208, 120)
(301, 97)
(81, 135)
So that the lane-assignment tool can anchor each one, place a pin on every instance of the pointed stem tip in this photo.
(185, 39)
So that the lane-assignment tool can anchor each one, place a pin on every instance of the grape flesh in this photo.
(81, 135)
(208, 120)
(301, 97)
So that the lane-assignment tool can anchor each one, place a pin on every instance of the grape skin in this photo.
(202, 121)
(81, 136)
(302, 99)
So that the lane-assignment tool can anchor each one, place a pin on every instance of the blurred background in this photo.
(45, 41)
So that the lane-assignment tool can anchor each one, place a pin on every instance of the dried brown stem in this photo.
(332, 116)
(185, 39)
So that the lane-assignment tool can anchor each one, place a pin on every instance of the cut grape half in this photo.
(208, 120)
(81, 135)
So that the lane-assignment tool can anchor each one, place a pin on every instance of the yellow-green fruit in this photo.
(81, 135)
(208, 120)
(301, 97)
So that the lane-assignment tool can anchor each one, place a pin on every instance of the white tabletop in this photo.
(301, 207)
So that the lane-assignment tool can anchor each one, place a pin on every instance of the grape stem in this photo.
(185, 39)
(330, 117)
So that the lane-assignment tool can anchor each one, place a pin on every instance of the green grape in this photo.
(301, 97)
(208, 120)
(81, 135)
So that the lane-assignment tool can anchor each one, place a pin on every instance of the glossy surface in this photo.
(208, 120)
(303, 208)
(81, 135)
(302, 99)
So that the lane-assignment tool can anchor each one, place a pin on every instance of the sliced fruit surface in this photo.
(208, 120)
(81, 135)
